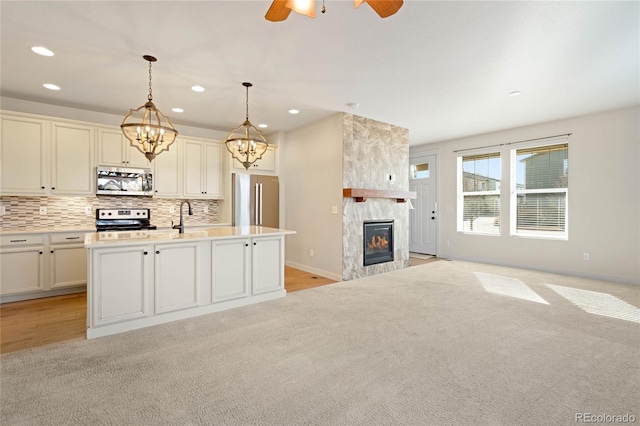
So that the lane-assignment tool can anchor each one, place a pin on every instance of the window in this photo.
(479, 193)
(419, 171)
(539, 189)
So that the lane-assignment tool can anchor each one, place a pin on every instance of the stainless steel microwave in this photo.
(124, 181)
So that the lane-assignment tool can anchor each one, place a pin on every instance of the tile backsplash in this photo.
(23, 213)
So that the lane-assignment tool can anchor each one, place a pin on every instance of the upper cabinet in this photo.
(41, 157)
(116, 150)
(167, 176)
(266, 163)
(202, 169)
(72, 168)
(23, 152)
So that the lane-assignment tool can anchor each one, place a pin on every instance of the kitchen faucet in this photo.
(180, 226)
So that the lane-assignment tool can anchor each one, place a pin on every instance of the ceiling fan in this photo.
(280, 9)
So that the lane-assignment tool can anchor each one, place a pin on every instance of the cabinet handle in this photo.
(145, 253)
(18, 241)
(72, 238)
(157, 251)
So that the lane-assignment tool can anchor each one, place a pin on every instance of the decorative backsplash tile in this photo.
(23, 213)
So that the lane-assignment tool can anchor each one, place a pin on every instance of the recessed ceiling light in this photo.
(42, 51)
(51, 86)
(293, 111)
(197, 88)
(263, 126)
(515, 93)
(177, 110)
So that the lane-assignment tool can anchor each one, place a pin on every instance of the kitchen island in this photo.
(138, 279)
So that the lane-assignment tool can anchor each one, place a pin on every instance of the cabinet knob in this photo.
(145, 253)
(40, 252)
(246, 245)
(53, 187)
(51, 251)
(157, 251)
(42, 187)
(255, 244)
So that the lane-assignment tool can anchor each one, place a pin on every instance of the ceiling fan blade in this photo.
(385, 8)
(278, 11)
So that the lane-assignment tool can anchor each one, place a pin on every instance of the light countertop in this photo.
(113, 239)
(62, 229)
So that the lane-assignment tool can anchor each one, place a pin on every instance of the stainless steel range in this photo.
(123, 220)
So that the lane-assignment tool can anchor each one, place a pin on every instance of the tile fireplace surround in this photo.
(373, 149)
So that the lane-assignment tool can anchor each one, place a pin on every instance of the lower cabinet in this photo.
(230, 266)
(267, 264)
(22, 270)
(121, 283)
(176, 282)
(67, 260)
(134, 286)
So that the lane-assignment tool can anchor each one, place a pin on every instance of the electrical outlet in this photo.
(172, 209)
(585, 256)
(310, 252)
(334, 209)
(43, 210)
(3, 210)
(87, 210)
(205, 209)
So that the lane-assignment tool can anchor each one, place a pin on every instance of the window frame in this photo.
(461, 194)
(514, 192)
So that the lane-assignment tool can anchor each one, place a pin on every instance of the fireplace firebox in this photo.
(378, 241)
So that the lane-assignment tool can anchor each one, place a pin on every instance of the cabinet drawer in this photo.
(21, 240)
(68, 238)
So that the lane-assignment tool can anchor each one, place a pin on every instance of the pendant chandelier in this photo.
(148, 129)
(249, 145)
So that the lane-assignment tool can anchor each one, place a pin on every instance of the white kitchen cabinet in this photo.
(231, 269)
(22, 264)
(122, 284)
(176, 283)
(266, 163)
(167, 176)
(202, 169)
(72, 165)
(267, 260)
(116, 150)
(23, 155)
(67, 260)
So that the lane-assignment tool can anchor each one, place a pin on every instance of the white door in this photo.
(423, 219)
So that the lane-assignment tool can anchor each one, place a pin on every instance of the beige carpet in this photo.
(445, 343)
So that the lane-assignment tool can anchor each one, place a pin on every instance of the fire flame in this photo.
(378, 242)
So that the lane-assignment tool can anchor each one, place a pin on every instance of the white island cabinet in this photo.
(143, 278)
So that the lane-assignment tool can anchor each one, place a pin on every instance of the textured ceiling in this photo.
(441, 69)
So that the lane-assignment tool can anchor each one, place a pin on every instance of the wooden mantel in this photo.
(361, 195)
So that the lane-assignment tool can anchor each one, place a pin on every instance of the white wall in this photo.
(604, 200)
(311, 165)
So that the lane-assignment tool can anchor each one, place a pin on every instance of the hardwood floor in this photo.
(39, 322)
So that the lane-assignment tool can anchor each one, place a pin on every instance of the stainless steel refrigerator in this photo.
(256, 200)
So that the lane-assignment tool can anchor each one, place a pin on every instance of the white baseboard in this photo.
(314, 271)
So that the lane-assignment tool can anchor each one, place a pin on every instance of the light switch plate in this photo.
(87, 210)
(205, 209)
(334, 209)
